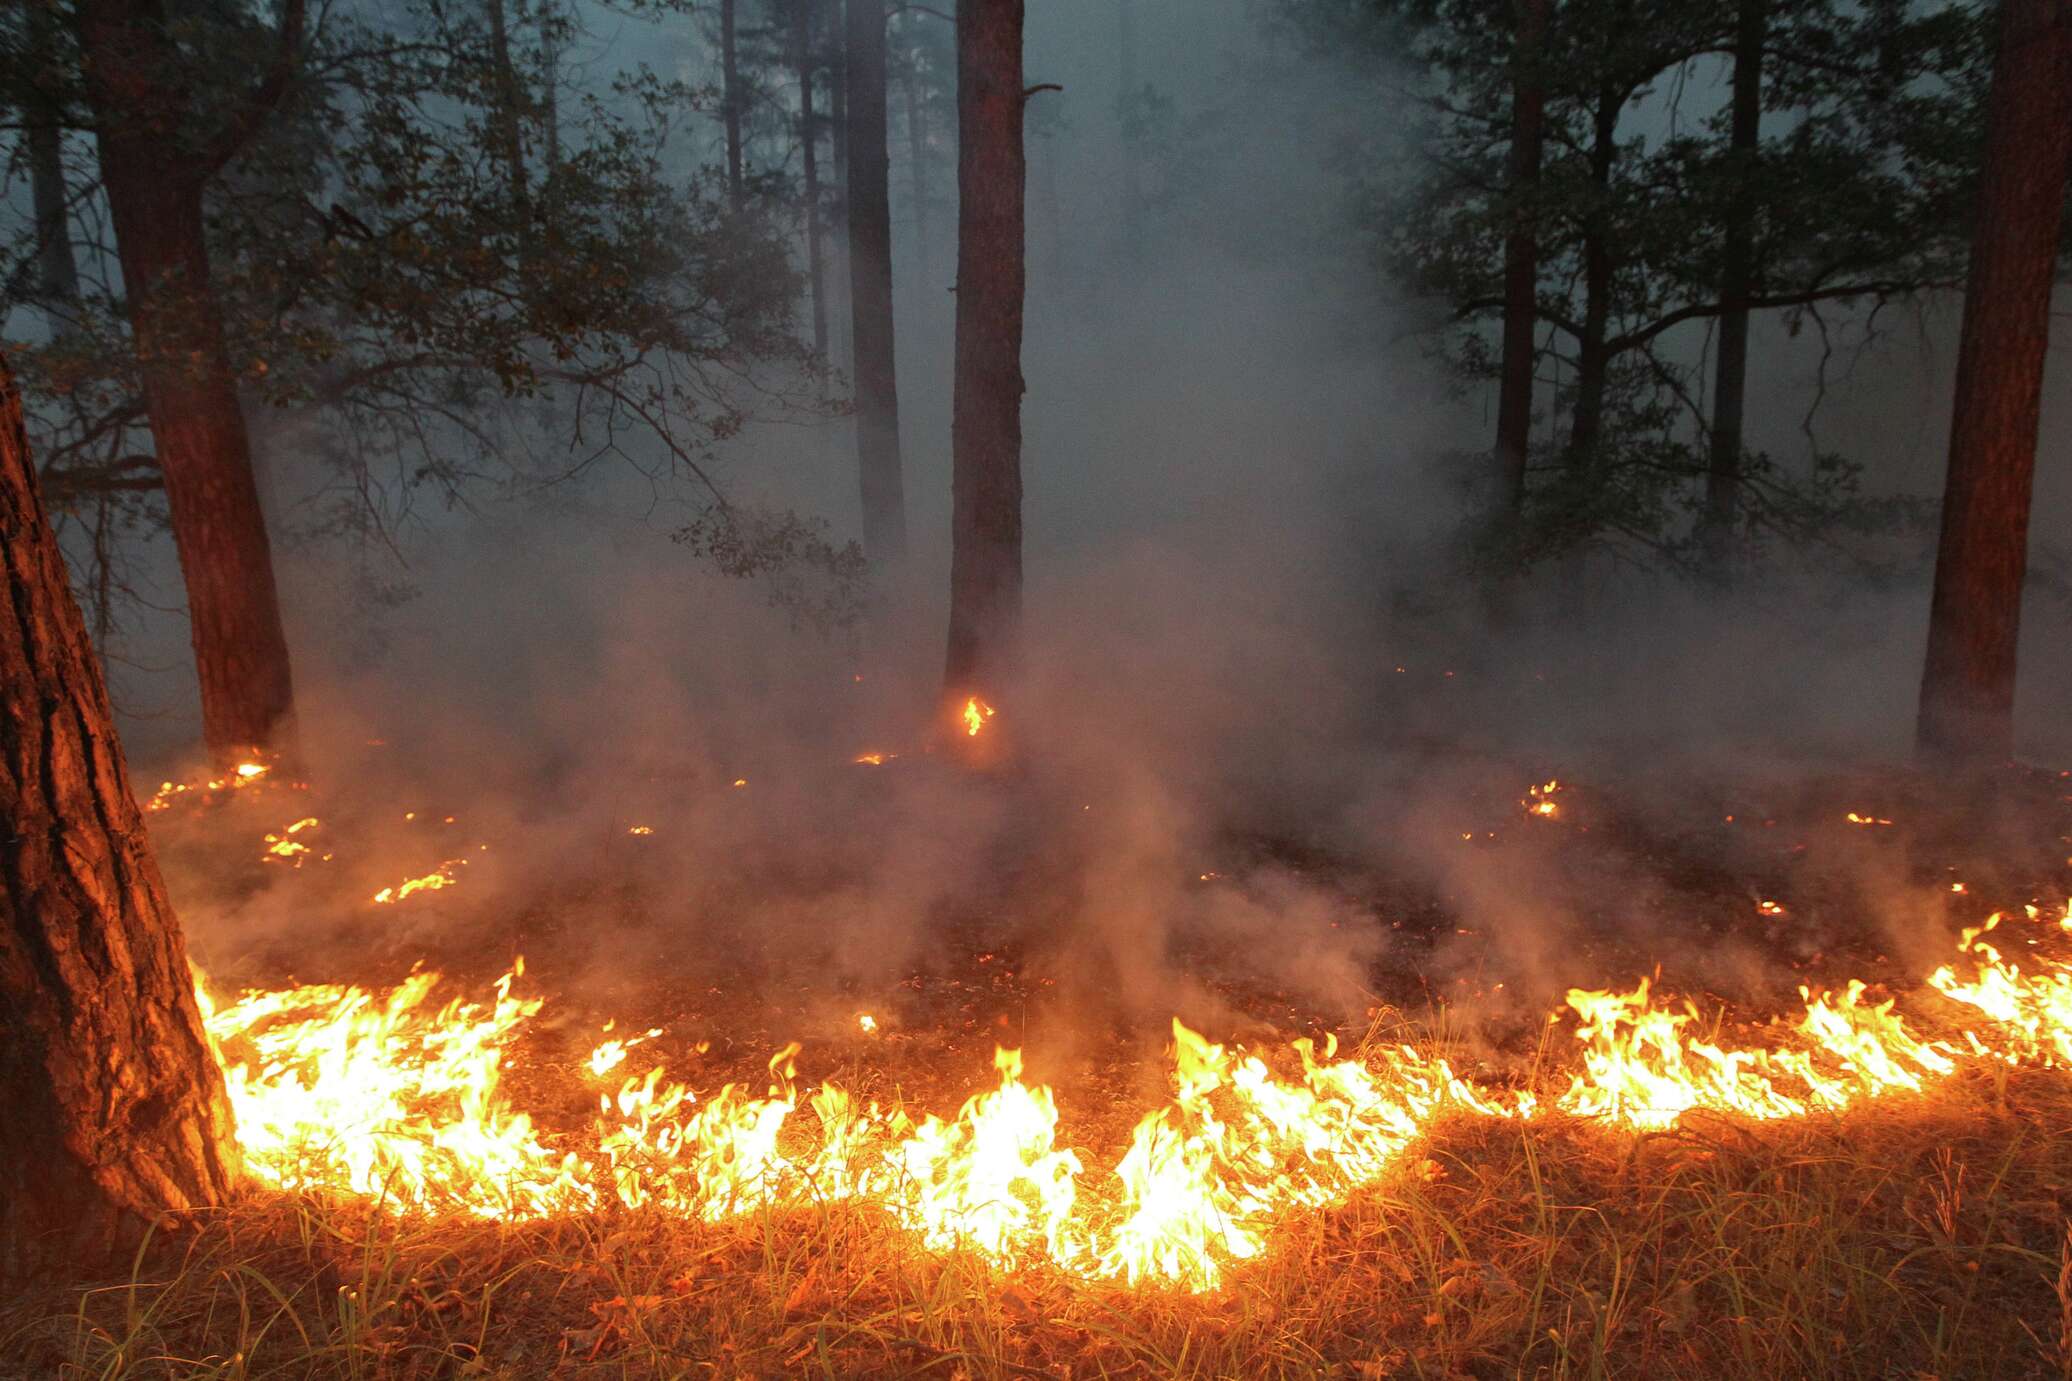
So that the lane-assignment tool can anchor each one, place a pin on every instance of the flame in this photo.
(640, 829)
(244, 774)
(874, 759)
(337, 1088)
(975, 714)
(285, 846)
(867, 1023)
(345, 1090)
(1539, 799)
(442, 876)
(1856, 819)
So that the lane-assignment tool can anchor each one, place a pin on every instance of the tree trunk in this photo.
(1737, 267)
(1521, 266)
(508, 118)
(57, 273)
(116, 1113)
(190, 389)
(917, 163)
(809, 140)
(730, 100)
(1974, 619)
(870, 289)
(1593, 360)
(986, 410)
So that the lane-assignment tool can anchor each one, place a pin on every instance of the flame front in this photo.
(340, 1089)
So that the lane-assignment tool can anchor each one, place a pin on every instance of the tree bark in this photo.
(1521, 264)
(809, 140)
(116, 1112)
(986, 409)
(730, 100)
(1737, 268)
(154, 183)
(870, 290)
(1974, 619)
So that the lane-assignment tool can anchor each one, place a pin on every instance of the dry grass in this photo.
(1912, 1238)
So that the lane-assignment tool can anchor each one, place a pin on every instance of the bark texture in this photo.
(116, 1114)
(1521, 262)
(1736, 285)
(154, 169)
(986, 411)
(1974, 620)
(870, 289)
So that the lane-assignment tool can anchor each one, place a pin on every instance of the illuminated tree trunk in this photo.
(1521, 263)
(986, 410)
(116, 1114)
(154, 182)
(1974, 620)
(870, 289)
(1737, 268)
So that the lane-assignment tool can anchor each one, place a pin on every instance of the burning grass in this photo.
(1910, 1236)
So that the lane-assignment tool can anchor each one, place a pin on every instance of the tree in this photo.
(1736, 284)
(1974, 618)
(117, 1114)
(1521, 264)
(730, 100)
(156, 166)
(986, 406)
(805, 62)
(870, 288)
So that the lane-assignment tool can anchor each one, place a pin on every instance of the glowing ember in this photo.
(641, 829)
(1856, 819)
(866, 1023)
(874, 759)
(1769, 908)
(1539, 799)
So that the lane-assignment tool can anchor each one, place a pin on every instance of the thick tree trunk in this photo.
(116, 1114)
(837, 227)
(870, 290)
(1521, 264)
(986, 411)
(809, 163)
(730, 100)
(190, 390)
(1737, 267)
(1974, 619)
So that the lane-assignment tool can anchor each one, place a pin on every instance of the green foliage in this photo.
(1856, 197)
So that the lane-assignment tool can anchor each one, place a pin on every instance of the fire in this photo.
(867, 1023)
(975, 714)
(344, 1090)
(285, 846)
(244, 774)
(338, 1089)
(640, 829)
(1539, 799)
(442, 876)
(873, 759)
(1856, 819)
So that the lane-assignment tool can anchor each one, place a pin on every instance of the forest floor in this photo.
(1912, 1234)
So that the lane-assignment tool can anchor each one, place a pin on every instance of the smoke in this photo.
(1271, 751)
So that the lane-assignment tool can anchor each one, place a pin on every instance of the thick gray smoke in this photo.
(1240, 621)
